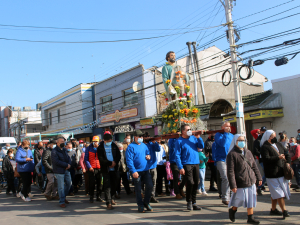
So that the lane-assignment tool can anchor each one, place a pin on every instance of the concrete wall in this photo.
(73, 104)
(213, 87)
(115, 86)
(289, 89)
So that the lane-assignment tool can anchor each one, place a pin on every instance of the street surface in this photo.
(14, 211)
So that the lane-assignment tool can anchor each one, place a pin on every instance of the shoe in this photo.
(251, 220)
(162, 195)
(7, 193)
(276, 212)
(232, 215)
(154, 200)
(71, 194)
(195, 207)
(220, 196)
(213, 189)
(189, 206)
(15, 194)
(18, 195)
(117, 196)
(148, 207)
(259, 192)
(172, 193)
(178, 196)
(30, 195)
(27, 199)
(113, 202)
(225, 202)
(141, 209)
(109, 207)
(199, 191)
(55, 197)
(263, 188)
(91, 200)
(48, 197)
(182, 193)
(285, 214)
(66, 201)
(23, 198)
(204, 193)
(62, 205)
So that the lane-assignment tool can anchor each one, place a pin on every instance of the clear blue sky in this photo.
(34, 72)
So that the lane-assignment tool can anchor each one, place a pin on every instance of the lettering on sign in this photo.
(118, 115)
(124, 129)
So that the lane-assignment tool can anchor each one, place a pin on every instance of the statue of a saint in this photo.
(176, 82)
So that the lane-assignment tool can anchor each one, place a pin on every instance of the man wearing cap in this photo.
(137, 154)
(93, 169)
(256, 153)
(47, 163)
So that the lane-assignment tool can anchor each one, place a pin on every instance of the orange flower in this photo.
(181, 120)
(191, 95)
(176, 121)
(177, 76)
(195, 110)
(177, 80)
(177, 72)
(181, 76)
(183, 81)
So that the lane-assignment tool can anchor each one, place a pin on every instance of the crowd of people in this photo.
(158, 168)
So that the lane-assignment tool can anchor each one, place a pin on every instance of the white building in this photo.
(69, 110)
(288, 87)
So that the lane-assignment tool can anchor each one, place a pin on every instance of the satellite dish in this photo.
(136, 86)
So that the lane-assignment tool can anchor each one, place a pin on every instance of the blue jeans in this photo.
(201, 178)
(264, 177)
(144, 177)
(296, 168)
(64, 183)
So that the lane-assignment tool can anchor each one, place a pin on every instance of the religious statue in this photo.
(176, 82)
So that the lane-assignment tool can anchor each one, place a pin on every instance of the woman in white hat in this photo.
(274, 156)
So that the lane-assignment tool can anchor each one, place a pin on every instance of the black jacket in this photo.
(256, 146)
(240, 173)
(208, 147)
(47, 161)
(7, 168)
(60, 160)
(273, 166)
(37, 156)
(104, 163)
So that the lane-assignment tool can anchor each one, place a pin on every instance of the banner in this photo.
(118, 115)
(147, 121)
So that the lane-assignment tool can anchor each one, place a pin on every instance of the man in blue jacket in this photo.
(187, 160)
(61, 164)
(137, 154)
(223, 141)
(153, 147)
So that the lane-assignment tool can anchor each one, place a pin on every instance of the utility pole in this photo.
(195, 80)
(198, 72)
(238, 98)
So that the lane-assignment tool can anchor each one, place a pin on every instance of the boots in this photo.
(285, 214)
(251, 220)
(232, 214)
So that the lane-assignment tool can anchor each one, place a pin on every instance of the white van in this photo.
(8, 140)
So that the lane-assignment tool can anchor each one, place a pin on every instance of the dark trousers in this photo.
(72, 173)
(192, 176)
(95, 179)
(176, 186)
(213, 176)
(86, 182)
(110, 186)
(144, 177)
(77, 179)
(161, 174)
(26, 178)
(10, 185)
(123, 176)
(219, 182)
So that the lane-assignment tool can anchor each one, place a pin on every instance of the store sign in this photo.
(124, 129)
(260, 114)
(147, 121)
(138, 126)
(118, 115)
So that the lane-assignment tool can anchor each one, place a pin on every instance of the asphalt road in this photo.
(13, 211)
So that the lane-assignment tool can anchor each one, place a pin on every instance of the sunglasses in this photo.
(140, 136)
(188, 129)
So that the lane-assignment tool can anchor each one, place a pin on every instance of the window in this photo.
(106, 103)
(58, 116)
(50, 118)
(130, 97)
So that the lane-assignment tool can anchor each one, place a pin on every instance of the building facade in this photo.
(69, 111)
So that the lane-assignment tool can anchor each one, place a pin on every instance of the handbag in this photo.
(16, 174)
(287, 169)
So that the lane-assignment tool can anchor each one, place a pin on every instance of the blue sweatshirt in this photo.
(136, 157)
(187, 152)
(22, 164)
(223, 142)
(153, 148)
(172, 152)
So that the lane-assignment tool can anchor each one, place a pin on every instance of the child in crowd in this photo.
(202, 168)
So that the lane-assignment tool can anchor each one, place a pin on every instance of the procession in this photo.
(200, 137)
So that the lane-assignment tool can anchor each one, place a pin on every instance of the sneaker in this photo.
(148, 207)
(189, 206)
(27, 199)
(30, 195)
(276, 212)
(23, 198)
(196, 207)
(18, 195)
(199, 191)
(225, 202)
(204, 193)
(172, 193)
(141, 209)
